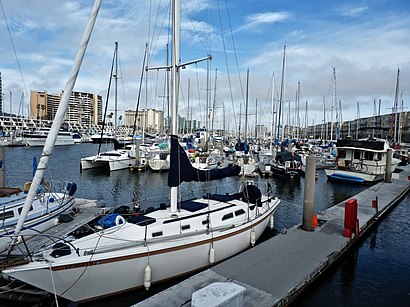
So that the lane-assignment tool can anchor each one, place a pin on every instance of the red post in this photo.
(350, 217)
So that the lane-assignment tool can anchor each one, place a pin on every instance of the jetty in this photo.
(275, 272)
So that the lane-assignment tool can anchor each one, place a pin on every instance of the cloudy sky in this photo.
(365, 42)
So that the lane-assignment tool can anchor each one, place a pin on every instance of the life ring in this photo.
(119, 220)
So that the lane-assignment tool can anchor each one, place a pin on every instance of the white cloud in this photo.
(352, 11)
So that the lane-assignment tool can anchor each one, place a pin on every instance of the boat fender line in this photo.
(211, 255)
(271, 222)
(147, 277)
(253, 237)
(119, 220)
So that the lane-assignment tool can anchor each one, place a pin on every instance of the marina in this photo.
(151, 207)
(119, 187)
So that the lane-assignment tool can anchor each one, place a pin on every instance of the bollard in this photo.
(351, 222)
(387, 176)
(375, 205)
(309, 193)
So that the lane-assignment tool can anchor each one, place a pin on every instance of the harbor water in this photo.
(377, 273)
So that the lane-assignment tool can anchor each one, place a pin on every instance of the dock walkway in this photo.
(276, 271)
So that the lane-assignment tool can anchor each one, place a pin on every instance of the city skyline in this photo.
(365, 41)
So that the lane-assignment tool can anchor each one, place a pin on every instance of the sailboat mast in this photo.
(396, 102)
(116, 88)
(58, 120)
(272, 134)
(175, 83)
(281, 92)
(246, 105)
(333, 106)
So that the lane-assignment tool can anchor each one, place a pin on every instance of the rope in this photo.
(54, 286)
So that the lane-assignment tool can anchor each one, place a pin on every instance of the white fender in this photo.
(253, 237)
(271, 222)
(119, 220)
(212, 255)
(147, 277)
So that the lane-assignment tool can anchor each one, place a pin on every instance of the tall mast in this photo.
(246, 105)
(333, 105)
(175, 84)
(396, 101)
(116, 87)
(281, 92)
(297, 113)
(272, 135)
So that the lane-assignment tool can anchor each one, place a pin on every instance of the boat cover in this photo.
(181, 169)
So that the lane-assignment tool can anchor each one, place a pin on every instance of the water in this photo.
(376, 274)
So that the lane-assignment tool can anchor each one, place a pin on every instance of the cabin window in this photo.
(205, 222)
(356, 155)
(227, 216)
(341, 153)
(239, 212)
(368, 155)
(157, 234)
(21, 209)
(7, 215)
(185, 227)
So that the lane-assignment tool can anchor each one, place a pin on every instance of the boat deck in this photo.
(68, 223)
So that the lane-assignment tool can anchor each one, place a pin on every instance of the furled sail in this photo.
(181, 169)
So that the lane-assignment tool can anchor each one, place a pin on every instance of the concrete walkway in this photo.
(278, 270)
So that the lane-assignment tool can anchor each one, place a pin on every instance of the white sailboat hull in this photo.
(79, 278)
(43, 216)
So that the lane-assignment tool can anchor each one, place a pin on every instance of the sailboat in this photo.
(113, 160)
(158, 245)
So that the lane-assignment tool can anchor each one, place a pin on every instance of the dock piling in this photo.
(309, 193)
(387, 177)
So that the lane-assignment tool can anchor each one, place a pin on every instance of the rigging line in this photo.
(227, 68)
(14, 48)
(106, 100)
(154, 47)
(198, 36)
(83, 272)
(234, 48)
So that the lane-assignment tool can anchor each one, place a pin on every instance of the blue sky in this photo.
(365, 41)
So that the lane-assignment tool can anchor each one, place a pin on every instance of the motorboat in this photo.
(38, 137)
(361, 161)
(287, 165)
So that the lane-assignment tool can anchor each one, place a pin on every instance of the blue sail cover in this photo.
(181, 169)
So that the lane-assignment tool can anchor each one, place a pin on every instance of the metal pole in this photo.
(387, 177)
(309, 193)
(2, 168)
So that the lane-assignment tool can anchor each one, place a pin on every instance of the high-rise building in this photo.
(83, 108)
(1, 96)
(151, 120)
